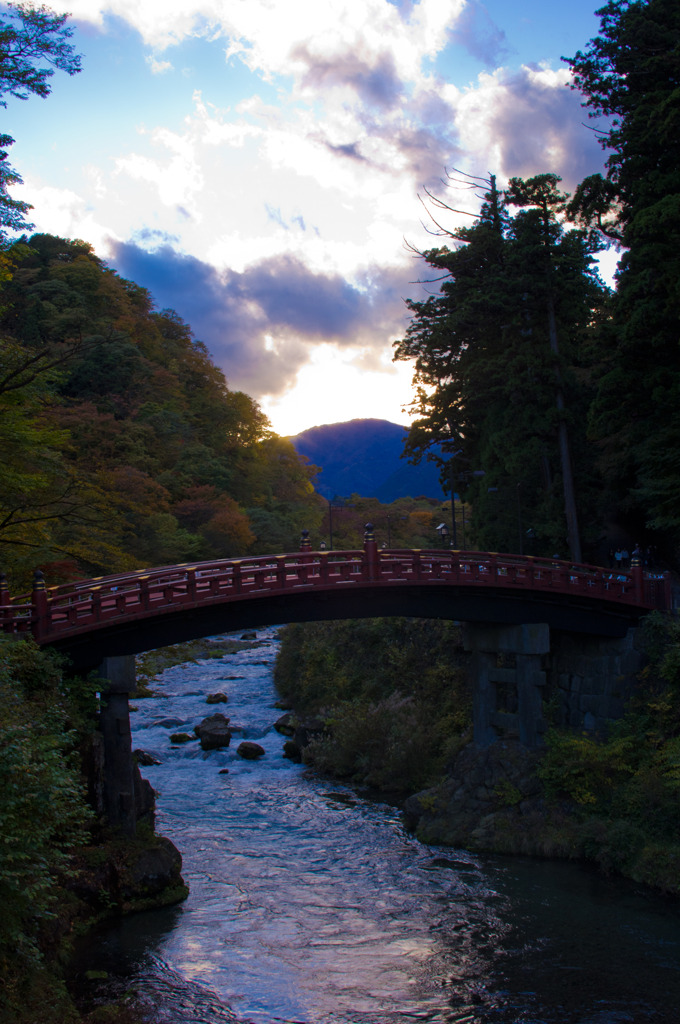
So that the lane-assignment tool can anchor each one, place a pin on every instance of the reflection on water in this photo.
(311, 904)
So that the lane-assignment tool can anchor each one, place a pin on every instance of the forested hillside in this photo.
(365, 456)
(122, 443)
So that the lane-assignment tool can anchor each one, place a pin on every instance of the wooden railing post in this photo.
(371, 553)
(6, 615)
(39, 618)
(144, 593)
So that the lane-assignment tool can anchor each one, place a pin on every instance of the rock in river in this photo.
(216, 698)
(250, 750)
(286, 724)
(214, 731)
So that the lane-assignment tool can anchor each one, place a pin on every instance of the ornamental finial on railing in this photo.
(5, 599)
(371, 567)
(305, 542)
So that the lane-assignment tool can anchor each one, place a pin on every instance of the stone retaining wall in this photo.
(593, 678)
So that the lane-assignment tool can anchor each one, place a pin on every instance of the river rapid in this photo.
(311, 903)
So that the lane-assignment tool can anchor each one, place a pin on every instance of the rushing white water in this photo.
(309, 903)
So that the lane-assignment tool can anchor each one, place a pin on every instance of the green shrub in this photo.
(579, 768)
(392, 691)
(43, 811)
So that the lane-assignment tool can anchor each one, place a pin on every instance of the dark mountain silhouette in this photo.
(364, 457)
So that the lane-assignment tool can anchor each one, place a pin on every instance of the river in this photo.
(310, 903)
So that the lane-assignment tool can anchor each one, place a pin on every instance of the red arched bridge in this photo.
(133, 612)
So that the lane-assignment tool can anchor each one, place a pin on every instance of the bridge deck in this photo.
(60, 615)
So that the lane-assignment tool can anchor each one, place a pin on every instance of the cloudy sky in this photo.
(257, 165)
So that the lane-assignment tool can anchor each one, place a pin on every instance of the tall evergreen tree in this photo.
(499, 356)
(630, 74)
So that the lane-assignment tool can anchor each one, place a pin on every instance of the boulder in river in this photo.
(301, 735)
(214, 731)
(292, 751)
(250, 750)
(286, 724)
(216, 698)
(145, 758)
(153, 870)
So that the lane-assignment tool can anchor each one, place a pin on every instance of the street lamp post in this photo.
(338, 504)
(452, 466)
(389, 530)
(443, 532)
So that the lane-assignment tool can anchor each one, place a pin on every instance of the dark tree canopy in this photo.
(34, 43)
(121, 443)
(630, 74)
(499, 354)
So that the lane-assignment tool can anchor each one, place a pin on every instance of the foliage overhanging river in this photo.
(312, 904)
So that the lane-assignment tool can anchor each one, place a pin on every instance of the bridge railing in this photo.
(73, 608)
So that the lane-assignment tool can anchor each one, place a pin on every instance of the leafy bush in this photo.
(625, 790)
(392, 692)
(582, 769)
(43, 811)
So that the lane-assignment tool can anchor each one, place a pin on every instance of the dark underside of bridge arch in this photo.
(464, 604)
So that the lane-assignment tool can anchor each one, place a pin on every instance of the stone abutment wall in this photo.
(525, 678)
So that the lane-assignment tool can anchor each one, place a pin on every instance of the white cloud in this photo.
(158, 67)
(322, 174)
(267, 35)
(64, 213)
(379, 392)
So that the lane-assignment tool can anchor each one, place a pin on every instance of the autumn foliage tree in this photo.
(123, 444)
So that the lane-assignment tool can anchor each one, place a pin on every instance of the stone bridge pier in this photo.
(516, 670)
(508, 677)
(119, 769)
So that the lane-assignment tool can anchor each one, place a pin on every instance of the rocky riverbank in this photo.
(610, 797)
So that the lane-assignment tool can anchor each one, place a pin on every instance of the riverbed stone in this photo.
(216, 698)
(150, 870)
(292, 751)
(286, 724)
(145, 799)
(250, 750)
(214, 731)
(146, 758)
